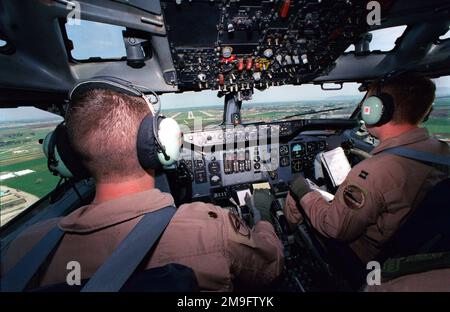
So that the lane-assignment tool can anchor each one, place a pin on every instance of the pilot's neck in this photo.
(394, 130)
(109, 191)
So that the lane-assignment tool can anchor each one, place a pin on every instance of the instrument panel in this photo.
(219, 158)
(235, 46)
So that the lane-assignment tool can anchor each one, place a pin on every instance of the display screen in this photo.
(297, 150)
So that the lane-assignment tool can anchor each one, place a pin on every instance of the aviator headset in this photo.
(158, 139)
(378, 109)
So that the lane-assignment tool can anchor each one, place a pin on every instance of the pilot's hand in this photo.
(250, 202)
(299, 188)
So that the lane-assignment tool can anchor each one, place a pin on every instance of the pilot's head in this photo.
(102, 126)
(412, 97)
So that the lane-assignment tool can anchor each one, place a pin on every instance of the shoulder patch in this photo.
(239, 231)
(354, 197)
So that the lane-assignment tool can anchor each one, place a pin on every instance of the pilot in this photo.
(102, 126)
(379, 192)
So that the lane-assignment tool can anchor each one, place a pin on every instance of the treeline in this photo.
(15, 135)
(15, 142)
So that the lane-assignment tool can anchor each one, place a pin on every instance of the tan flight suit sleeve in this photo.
(291, 212)
(356, 205)
(256, 254)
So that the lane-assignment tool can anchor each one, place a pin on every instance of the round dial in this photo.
(284, 150)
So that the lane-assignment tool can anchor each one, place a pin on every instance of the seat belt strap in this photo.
(20, 275)
(118, 268)
(419, 155)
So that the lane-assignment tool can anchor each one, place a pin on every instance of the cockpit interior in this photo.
(234, 51)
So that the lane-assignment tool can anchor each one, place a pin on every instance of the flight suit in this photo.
(376, 197)
(429, 281)
(212, 241)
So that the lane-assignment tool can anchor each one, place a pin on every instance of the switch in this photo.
(305, 59)
(240, 64)
(279, 58)
(226, 52)
(257, 76)
(201, 77)
(268, 53)
(249, 63)
(288, 59)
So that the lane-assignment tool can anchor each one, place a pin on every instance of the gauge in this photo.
(284, 150)
(297, 150)
(297, 166)
(215, 180)
(214, 167)
(284, 161)
(199, 164)
(311, 147)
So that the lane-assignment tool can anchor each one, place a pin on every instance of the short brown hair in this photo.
(413, 96)
(102, 127)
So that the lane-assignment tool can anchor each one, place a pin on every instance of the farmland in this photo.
(20, 150)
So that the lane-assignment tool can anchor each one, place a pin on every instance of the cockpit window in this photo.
(95, 40)
(445, 36)
(24, 177)
(438, 124)
(202, 108)
(383, 39)
(305, 101)
(205, 108)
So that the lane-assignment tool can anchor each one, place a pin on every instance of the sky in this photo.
(94, 39)
(273, 94)
(24, 114)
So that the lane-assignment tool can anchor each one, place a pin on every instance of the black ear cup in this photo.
(147, 147)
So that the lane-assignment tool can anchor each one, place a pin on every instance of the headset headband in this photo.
(117, 85)
(125, 87)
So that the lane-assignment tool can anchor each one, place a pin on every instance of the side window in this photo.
(24, 177)
(438, 123)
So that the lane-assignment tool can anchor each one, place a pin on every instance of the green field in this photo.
(21, 150)
(438, 125)
(24, 146)
(439, 122)
(38, 183)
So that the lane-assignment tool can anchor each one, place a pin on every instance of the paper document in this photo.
(241, 196)
(261, 186)
(336, 164)
(325, 194)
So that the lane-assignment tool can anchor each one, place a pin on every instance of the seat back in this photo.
(169, 278)
(426, 230)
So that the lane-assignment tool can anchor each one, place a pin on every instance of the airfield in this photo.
(24, 177)
(13, 202)
(438, 124)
